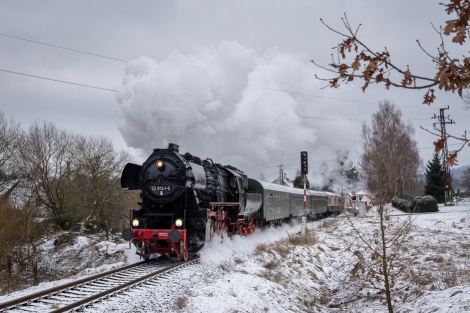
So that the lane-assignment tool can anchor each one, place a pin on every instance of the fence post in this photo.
(35, 273)
(9, 265)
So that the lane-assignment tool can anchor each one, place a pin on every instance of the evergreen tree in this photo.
(435, 182)
(466, 180)
(352, 175)
(299, 181)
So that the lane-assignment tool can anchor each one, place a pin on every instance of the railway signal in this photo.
(304, 171)
(303, 162)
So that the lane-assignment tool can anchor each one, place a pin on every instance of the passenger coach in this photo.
(280, 203)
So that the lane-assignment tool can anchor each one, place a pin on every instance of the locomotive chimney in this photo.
(174, 147)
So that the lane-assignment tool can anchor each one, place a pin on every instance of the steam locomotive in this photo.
(186, 200)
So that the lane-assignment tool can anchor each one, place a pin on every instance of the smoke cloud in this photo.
(223, 103)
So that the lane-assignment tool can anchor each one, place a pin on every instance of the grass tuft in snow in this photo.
(308, 240)
(181, 303)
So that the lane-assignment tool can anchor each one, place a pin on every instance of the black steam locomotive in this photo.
(186, 200)
(181, 195)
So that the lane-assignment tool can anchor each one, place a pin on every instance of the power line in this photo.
(353, 120)
(347, 100)
(64, 48)
(349, 158)
(56, 80)
(324, 118)
(310, 95)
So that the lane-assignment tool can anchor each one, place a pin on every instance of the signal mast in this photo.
(304, 172)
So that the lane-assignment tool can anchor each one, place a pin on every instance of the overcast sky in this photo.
(228, 80)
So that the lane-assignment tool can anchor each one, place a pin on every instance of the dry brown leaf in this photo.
(452, 159)
(355, 65)
(450, 25)
(429, 97)
(439, 145)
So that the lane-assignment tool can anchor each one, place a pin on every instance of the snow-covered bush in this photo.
(401, 204)
(424, 204)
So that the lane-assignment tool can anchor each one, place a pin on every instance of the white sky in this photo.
(202, 74)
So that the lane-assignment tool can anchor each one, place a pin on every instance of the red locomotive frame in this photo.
(174, 242)
(163, 241)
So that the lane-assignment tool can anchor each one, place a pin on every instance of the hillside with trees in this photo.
(51, 180)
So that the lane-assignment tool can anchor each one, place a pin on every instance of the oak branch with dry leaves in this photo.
(355, 60)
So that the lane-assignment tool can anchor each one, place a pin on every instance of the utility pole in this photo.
(443, 120)
(281, 175)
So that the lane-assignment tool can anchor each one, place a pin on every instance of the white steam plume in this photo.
(218, 103)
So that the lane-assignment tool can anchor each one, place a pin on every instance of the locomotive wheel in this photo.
(195, 242)
(198, 223)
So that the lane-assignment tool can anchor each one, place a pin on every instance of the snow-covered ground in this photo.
(271, 272)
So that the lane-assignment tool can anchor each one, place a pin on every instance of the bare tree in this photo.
(357, 60)
(390, 161)
(17, 226)
(18, 232)
(9, 131)
(75, 178)
(45, 160)
(97, 174)
(389, 164)
(381, 257)
(466, 180)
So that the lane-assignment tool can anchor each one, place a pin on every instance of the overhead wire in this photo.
(348, 158)
(339, 99)
(310, 95)
(352, 120)
(56, 80)
(64, 48)
(332, 119)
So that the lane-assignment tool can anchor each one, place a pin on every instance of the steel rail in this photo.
(40, 294)
(124, 286)
(55, 294)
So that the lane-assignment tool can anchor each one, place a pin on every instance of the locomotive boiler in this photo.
(184, 200)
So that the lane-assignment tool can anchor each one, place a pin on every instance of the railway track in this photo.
(82, 292)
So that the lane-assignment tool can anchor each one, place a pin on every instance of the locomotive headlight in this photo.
(179, 222)
(135, 222)
(160, 165)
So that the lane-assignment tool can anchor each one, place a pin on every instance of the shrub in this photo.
(401, 204)
(18, 231)
(424, 204)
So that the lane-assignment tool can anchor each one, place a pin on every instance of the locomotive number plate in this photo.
(161, 188)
